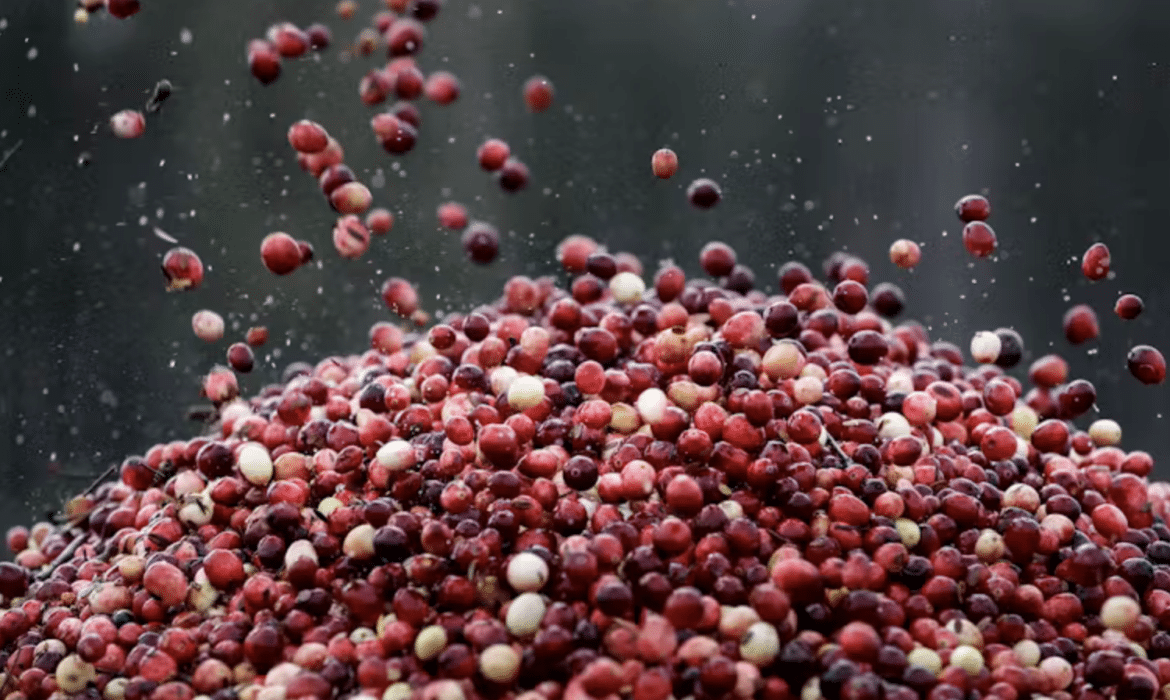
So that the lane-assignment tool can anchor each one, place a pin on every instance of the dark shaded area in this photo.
(828, 125)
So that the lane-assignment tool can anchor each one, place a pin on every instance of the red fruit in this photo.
(263, 61)
(183, 269)
(442, 88)
(1080, 324)
(481, 242)
(664, 163)
(308, 137)
(513, 175)
(128, 124)
(121, 9)
(452, 215)
(400, 296)
(704, 193)
(1146, 363)
(280, 253)
(288, 39)
(493, 154)
(979, 239)
(1095, 262)
(1128, 306)
(538, 93)
(973, 207)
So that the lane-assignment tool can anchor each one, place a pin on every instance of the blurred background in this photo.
(830, 125)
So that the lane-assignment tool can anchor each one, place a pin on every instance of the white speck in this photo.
(32, 53)
(185, 36)
(226, 117)
(32, 111)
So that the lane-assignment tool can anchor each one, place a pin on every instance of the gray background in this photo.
(829, 124)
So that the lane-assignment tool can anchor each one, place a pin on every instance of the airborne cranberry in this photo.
(704, 193)
(493, 154)
(405, 37)
(481, 242)
(973, 207)
(400, 296)
(979, 239)
(513, 175)
(538, 93)
(664, 163)
(280, 253)
(1080, 324)
(1095, 262)
(1146, 364)
(240, 357)
(183, 269)
(264, 61)
(1128, 306)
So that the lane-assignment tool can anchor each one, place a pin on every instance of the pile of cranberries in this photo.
(631, 488)
(685, 489)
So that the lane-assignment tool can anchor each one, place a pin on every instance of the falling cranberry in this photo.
(374, 87)
(452, 215)
(263, 61)
(128, 124)
(1095, 262)
(320, 36)
(905, 253)
(280, 253)
(704, 193)
(308, 137)
(256, 336)
(1128, 306)
(973, 207)
(1146, 363)
(121, 9)
(492, 154)
(664, 163)
(289, 40)
(405, 37)
(351, 198)
(717, 259)
(513, 175)
(1080, 324)
(351, 238)
(979, 239)
(183, 269)
(538, 93)
(400, 296)
(481, 242)
(442, 88)
(240, 357)
(379, 221)
(409, 82)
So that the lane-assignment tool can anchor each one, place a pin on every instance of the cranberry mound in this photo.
(598, 493)
(633, 486)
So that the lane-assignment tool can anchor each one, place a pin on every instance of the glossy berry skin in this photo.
(704, 193)
(979, 239)
(264, 61)
(1128, 306)
(1146, 364)
(280, 253)
(973, 207)
(538, 93)
(183, 269)
(1080, 324)
(1095, 262)
(481, 242)
(128, 124)
(492, 154)
(664, 163)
